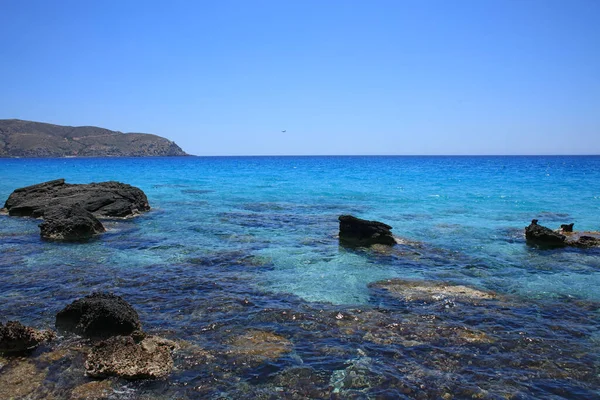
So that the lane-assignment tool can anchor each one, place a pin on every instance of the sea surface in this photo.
(239, 259)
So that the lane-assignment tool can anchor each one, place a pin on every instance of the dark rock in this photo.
(567, 227)
(99, 315)
(16, 337)
(359, 232)
(122, 356)
(542, 236)
(69, 223)
(105, 199)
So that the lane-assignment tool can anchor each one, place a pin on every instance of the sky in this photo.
(398, 77)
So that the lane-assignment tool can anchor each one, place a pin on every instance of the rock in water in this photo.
(122, 356)
(359, 232)
(69, 223)
(99, 315)
(542, 236)
(16, 337)
(104, 199)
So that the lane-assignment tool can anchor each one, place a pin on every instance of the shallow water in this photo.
(244, 244)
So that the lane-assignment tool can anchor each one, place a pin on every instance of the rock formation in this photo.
(35, 139)
(104, 200)
(70, 211)
(124, 357)
(70, 223)
(359, 232)
(17, 338)
(99, 315)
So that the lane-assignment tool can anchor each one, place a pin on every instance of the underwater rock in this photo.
(359, 232)
(20, 379)
(95, 390)
(260, 345)
(69, 223)
(99, 315)
(122, 356)
(17, 338)
(104, 199)
(430, 291)
(540, 235)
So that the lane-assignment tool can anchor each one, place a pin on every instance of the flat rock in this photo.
(17, 338)
(69, 223)
(122, 356)
(99, 315)
(104, 199)
(20, 379)
(260, 345)
(430, 291)
(360, 232)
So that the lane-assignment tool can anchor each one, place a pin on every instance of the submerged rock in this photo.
(430, 291)
(360, 232)
(17, 338)
(260, 345)
(122, 356)
(95, 390)
(105, 199)
(69, 223)
(99, 315)
(20, 379)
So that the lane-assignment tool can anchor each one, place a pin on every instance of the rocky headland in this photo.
(36, 139)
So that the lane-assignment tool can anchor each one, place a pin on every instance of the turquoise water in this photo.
(223, 229)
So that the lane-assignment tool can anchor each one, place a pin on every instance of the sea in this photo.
(239, 261)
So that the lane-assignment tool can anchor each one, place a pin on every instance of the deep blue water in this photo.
(223, 229)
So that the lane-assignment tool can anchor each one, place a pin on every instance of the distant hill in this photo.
(36, 139)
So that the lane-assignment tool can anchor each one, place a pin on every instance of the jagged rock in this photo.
(257, 345)
(122, 356)
(542, 236)
(16, 337)
(99, 315)
(566, 227)
(94, 390)
(359, 232)
(104, 199)
(546, 237)
(69, 223)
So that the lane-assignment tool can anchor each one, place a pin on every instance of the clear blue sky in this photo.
(342, 77)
